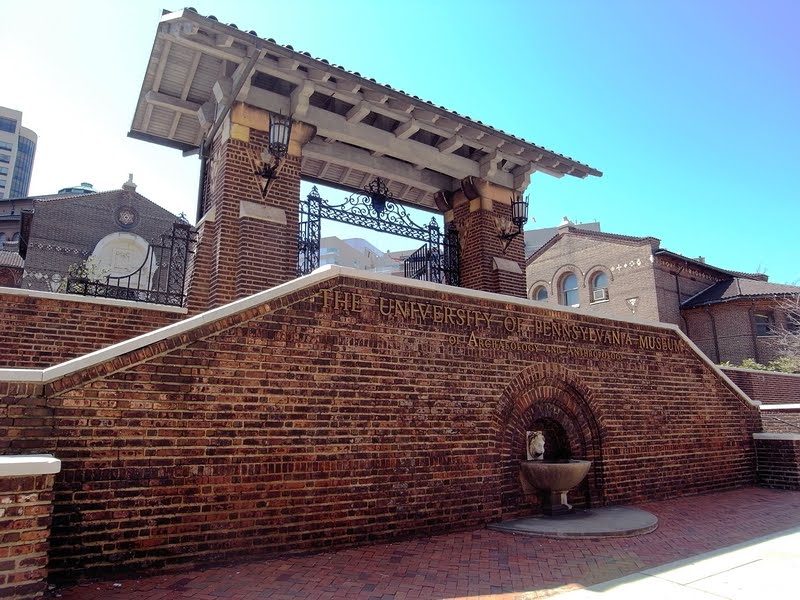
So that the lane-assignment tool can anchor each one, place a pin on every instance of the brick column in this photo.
(26, 496)
(246, 243)
(480, 210)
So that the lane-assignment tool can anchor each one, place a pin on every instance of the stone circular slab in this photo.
(610, 521)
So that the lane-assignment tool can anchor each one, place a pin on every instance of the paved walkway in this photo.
(490, 565)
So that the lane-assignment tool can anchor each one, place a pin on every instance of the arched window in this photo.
(15, 237)
(2, 238)
(539, 293)
(568, 290)
(599, 287)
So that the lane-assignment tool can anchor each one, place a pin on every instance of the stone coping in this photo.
(777, 436)
(780, 407)
(325, 273)
(92, 300)
(30, 464)
(762, 372)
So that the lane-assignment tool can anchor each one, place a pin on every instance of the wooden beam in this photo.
(162, 64)
(288, 64)
(176, 104)
(407, 129)
(298, 103)
(451, 144)
(223, 40)
(331, 125)
(318, 75)
(358, 113)
(362, 160)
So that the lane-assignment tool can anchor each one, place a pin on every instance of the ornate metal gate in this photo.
(374, 208)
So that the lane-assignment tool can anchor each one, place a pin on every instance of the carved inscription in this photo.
(531, 330)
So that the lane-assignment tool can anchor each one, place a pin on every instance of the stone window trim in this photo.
(569, 289)
(537, 289)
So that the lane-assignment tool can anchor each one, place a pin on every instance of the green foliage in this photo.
(779, 365)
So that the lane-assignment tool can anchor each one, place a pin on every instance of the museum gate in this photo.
(375, 208)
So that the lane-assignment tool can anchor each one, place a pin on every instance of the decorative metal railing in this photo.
(161, 278)
(376, 209)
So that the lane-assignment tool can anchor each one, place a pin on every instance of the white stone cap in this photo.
(776, 436)
(780, 407)
(30, 464)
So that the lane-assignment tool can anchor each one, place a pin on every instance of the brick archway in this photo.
(548, 397)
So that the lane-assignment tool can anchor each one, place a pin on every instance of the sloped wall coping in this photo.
(31, 464)
(777, 436)
(762, 372)
(43, 376)
(93, 300)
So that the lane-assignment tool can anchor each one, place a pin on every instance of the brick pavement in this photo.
(479, 565)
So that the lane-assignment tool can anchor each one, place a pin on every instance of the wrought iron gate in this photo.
(161, 278)
(374, 208)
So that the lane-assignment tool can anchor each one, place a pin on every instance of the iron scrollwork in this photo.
(160, 279)
(376, 209)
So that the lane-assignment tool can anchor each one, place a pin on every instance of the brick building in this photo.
(729, 315)
(114, 229)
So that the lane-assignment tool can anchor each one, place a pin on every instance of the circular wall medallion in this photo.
(127, 217)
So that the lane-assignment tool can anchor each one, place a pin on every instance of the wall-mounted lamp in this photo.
(272, 156)
(519, 216)
(378, 193)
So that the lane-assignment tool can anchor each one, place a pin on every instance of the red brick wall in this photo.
(767, 386)
(779, 462)
(734, 330)
(239, 256)
(25, 516)
(319, 420)
(480, 244)
(44, 331)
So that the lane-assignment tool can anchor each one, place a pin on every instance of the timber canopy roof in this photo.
(199, 67)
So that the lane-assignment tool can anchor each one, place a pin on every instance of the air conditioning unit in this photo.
(599, 294)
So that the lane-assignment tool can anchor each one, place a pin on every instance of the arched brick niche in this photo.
(548, 398)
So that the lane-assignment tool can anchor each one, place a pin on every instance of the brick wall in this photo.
(240, 251)
(41, 330)
(476, 221)
(628, 266)
(343, 410)
(766, 386)
(26, 496)
(732, 325)
(778, 460)
(56, 243)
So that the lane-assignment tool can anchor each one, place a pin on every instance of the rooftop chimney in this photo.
(129, 185)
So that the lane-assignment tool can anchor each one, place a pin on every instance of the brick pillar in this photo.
(26, 496)
(246, 243)
(479, 210)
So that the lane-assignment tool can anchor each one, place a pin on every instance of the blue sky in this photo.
(690, 108)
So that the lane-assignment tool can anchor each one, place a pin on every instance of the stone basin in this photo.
(553, 480)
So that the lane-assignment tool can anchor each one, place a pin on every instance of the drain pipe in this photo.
(226, 107)
(680, 300)
(753, 332)
(713, 332)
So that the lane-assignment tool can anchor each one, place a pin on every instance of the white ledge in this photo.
(93, 300)
(776, 436)
(32, 464)
(780, 407)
